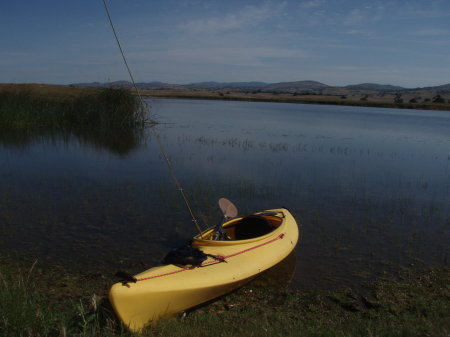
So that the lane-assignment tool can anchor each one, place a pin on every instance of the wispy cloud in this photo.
(432, 32)
(356, 16)
(359, 32)
(248, 16)
(320, 13)
(310, 4)
(226, 55)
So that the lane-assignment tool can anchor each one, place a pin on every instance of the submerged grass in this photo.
(32, 304)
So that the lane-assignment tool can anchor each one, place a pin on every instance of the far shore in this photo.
(420, 100)
(385, 101)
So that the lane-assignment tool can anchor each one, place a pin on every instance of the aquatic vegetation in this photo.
(111, 118)
(26, 108)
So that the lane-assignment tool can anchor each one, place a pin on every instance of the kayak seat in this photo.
(252, 226)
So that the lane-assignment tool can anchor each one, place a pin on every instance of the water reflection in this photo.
(371, 187)
(120, 140)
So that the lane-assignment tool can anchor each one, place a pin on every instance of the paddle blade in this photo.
(228, 208)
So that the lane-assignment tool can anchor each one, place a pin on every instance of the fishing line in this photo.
(144, 106)
(153, 129)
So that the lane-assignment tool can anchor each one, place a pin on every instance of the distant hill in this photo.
(157, 85)
(118, 84)
(246, 84)
(280, 87)
(444, 87)
(88, 85)
(225, 85)
(374, 86)
(296, 87)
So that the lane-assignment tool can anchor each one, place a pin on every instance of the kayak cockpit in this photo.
(247, 227)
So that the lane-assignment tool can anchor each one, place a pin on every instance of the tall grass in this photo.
(111, 118)
(23, 311)
(102, 108)
(417, 305)
(29, 308)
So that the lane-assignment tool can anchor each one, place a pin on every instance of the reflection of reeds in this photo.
(110, 118)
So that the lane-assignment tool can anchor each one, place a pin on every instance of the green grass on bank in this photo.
(23, 307)
(416, 306)
(38, 303)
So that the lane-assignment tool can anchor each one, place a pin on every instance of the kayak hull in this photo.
(166, 290)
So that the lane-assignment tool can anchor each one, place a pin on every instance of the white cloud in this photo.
(432, 32)
(310, 4)
(355, 17)
(248, 16)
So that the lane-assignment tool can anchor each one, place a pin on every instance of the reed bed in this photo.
(99, 108)
(108, 118)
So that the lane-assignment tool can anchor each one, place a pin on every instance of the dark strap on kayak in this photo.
(219, 258)
(126, 277)
(215, 258)
(185, 256)
(181, 256)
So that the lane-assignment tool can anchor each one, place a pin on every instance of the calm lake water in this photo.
(370, 187)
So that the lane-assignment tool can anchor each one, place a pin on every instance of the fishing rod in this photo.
(153, 128)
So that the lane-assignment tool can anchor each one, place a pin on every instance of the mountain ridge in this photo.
(304, 87)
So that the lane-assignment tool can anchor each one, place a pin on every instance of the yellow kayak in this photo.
(254, 244)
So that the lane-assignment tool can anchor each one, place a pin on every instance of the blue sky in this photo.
(399, 42)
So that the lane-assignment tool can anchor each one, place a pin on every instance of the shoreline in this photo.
(361, 98)
(290, 98)
(60, 301)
